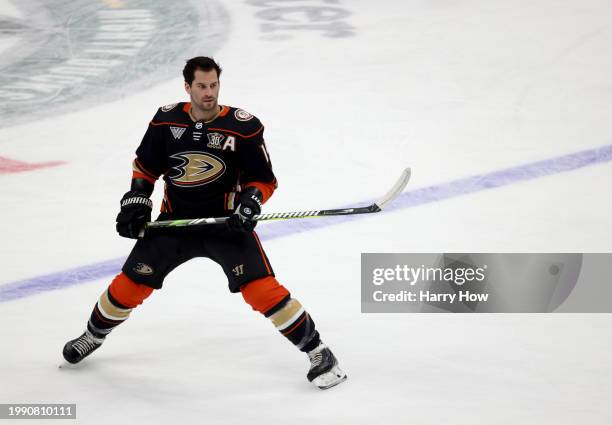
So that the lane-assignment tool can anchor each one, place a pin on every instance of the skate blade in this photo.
(330, 379)
(66, 365)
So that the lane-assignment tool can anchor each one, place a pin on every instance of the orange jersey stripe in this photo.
(137, 175)
(168, 123)
(266, 189)
(224, 109)
(137, 166)
(262, 253)
(166, 200)
(238, 134)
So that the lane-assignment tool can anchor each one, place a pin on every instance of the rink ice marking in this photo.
(409, 199)
(8, 165)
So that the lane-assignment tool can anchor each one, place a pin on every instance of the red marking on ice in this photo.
(11, 166)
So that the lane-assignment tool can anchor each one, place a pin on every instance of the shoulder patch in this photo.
(242, 115)
(168, 107)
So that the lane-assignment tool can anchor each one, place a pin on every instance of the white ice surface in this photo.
(451, 89)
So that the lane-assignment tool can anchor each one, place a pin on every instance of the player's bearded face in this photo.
(204, 90)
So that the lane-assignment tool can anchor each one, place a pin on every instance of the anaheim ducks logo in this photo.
(144, 269)
(196, 169)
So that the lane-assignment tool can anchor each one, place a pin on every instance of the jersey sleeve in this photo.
(151, 161)
(255, 164)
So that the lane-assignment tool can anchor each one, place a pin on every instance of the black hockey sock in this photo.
(295, 324)
(106, 315)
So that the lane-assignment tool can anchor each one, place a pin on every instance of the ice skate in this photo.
(81, 347)
(324, 370)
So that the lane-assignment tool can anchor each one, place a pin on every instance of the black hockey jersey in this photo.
(204, 164)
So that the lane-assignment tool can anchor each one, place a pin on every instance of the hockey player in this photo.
(214, 162)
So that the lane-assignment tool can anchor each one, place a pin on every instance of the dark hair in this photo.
(202, 63)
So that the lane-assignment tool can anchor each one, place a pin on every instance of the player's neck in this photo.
(197, 114)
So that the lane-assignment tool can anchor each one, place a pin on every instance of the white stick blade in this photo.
(397, 188)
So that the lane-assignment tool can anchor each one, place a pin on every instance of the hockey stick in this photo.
(378, 206)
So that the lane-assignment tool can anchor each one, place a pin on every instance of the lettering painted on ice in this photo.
(102, 49)
(282, 18)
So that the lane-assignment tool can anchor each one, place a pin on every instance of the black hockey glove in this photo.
(249, 205)
(135, 212)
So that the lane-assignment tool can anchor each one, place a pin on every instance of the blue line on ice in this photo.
(439, 192)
